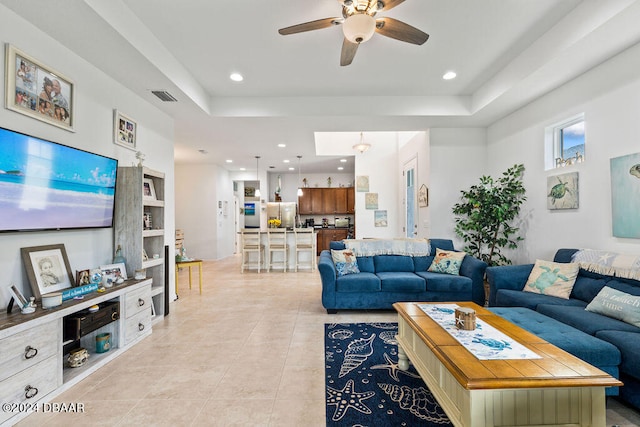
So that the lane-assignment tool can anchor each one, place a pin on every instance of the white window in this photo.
(565, 143)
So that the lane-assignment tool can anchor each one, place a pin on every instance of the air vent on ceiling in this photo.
(164, 95)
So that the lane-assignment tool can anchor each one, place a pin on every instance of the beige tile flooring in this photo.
(249, 351)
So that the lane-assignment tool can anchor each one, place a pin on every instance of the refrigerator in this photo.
(284, 211)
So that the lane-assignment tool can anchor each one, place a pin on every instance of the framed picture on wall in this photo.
(38, 91)
(124, 130)
(423, 196)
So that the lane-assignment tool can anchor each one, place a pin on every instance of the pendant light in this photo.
(362, 146)
(299, 181)
(257, 178)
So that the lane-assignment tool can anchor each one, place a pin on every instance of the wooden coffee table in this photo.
(557, 389)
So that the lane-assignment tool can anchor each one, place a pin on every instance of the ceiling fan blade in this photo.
(398, 30)
(390, 4)
(348, 52)
(310, 26)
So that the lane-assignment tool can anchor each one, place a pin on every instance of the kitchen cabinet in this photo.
(310, 203)
(327, 201)
(328, 235)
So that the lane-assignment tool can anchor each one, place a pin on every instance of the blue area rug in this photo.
(364, 385)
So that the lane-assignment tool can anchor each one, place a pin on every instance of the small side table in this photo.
(189, 264)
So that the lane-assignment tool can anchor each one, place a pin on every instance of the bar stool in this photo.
(305, 240)
(250, 240)
(277, 242)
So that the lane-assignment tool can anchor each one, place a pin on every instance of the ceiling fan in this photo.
(359, 23)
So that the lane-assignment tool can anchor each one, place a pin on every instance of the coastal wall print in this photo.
(37, 91)
(562, 191)
(371, 201)
(625, 195)
(362, 184)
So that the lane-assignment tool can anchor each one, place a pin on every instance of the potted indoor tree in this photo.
(486, 213)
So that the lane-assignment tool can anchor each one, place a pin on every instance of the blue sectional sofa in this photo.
(387, 279)
(605, 334)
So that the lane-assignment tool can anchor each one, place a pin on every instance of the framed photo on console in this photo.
(148, 189)
(124, 130)
(47, 269)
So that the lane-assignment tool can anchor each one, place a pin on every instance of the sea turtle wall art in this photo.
(562, 191)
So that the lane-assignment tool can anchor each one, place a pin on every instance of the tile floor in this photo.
(248, 352)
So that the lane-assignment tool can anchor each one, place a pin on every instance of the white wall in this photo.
(458, 160)
(380, 163)
(96, 97)
(609, 96)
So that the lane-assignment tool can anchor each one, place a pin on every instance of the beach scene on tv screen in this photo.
(44, 185)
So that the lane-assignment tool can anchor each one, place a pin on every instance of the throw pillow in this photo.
(447, 262)
(617, 304)
(552, 278)
(345, 261)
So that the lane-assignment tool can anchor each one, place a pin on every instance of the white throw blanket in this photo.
(400, 246)
(608, 263)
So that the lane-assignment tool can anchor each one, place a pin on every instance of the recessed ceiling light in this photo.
(285, 161)
(340, 168)
(229, 161)
(236, 77)
(243, 169)
(343, 160)
(202, 151)
(449, 75)
(282, 145)
(292, 169)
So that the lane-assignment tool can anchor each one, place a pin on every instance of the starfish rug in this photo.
(364, 385)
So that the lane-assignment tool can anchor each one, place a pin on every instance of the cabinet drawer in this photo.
(31, 385)
(137, 301)
(137, 325)
(23, 350)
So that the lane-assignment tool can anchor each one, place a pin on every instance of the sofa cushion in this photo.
(588, 348)
(513, 298)
(438, 282)
(586, 288)
(625, 285)
(393, 263)
(401, 282)
(447, 262)
(363, 282)
(365, 264)
(345, 261)
(629, 345)
(617, 304)
(422, 263)
(584, 320)
(552, 278)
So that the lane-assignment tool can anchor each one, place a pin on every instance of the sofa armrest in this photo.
(474, 269)
(507, 277)
(328, 274)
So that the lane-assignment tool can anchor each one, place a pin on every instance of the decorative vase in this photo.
(119, 258)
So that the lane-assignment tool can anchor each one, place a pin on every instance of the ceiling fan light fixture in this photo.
(359, 28)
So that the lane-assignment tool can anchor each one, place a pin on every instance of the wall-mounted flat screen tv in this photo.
(49, 186)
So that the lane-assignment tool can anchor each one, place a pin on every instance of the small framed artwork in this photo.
(148, 189)
(83, 277)
(562, 191)
(124, 130)
(38, 91)
(371, 200)
(113, 273)
(19, 299)
(380, 218)
(47, 269)
(423, 196)
(362, 184)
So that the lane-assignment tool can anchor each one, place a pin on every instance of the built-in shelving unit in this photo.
(139, 226)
